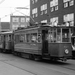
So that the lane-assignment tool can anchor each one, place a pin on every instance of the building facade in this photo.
(5, 26)
(53, 11)
(19, 21)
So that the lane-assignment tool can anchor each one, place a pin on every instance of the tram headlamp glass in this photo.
(66, 51)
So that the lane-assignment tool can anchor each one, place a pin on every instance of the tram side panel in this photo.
(29, 48)
(60, 50)
(26, 42)
(6, 42)
(9, 43)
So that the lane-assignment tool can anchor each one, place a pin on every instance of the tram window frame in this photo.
(34, 40)
(39, 36)
(52, 35)
(66, 38)
(59, 35)
(28, 38)
(22, 37)
(55, 35)
(6, 38)
(17, 38)
(2, 38)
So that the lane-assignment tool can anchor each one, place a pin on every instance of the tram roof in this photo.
(39, 26)
(9, 32)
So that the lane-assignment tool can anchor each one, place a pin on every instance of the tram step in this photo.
(46, 55)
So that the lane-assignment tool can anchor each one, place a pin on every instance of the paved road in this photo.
(13, 65)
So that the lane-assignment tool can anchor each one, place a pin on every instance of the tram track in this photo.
(27, 70)
(17, 67)
(4, 61)
(59, 64)
(69, 68)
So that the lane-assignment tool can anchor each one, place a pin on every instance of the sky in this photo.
(8, 7)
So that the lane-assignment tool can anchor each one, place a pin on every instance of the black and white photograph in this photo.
(37, 37)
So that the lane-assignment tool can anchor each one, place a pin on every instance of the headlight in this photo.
(66, 51)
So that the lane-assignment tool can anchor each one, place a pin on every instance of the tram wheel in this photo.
(31, 56)
(4, 51)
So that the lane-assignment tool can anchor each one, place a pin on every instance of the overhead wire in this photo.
(14, 11)
(2, 1)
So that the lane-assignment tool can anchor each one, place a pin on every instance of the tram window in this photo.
(59, 35)
(39, 38)
(34, 37)
(17, 38)
(28, 37)
(6, 38)
(1, 40)
(52, 35)
(65, 35)
(22, 38)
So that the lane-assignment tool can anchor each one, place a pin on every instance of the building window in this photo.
(36, 0)
(54, 21)
(65, 4)
(35, 12)
(22, 25)
(69, 19)
(22, 19)
(68, 3)
(43, 9)
(14, 27)
(15, 19)
(54, 5)
(52, 9)
(44, 21)
(27, 19)
(71, 3)
(32, 1)
(56, 8)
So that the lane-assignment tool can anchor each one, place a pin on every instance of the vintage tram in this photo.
(43, 41)
(6, 41)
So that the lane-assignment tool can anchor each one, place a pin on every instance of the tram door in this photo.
(44, 42)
